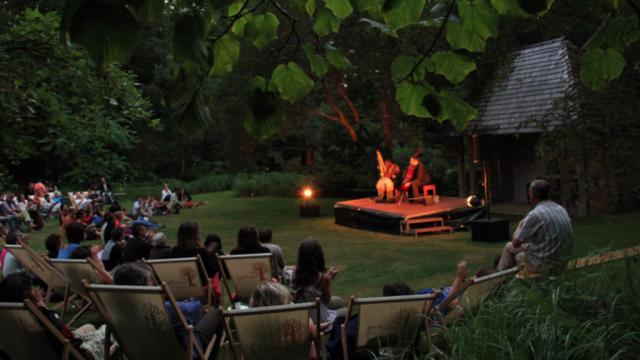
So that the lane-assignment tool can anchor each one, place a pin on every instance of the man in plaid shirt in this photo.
(543, 240)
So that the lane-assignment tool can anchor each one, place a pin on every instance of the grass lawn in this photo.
(368, 260)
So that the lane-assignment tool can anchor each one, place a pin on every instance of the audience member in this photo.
(213, 245)
(75, 234)
(205, 326)
(11, 265)
(53, 244)
(265, 240)
(86, 339)
(112, 252)
(248, 242)
(312, 280)
(189, 246)
(543, 240)
(139, 246)
(160, 249)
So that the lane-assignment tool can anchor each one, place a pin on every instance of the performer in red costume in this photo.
(415, 176)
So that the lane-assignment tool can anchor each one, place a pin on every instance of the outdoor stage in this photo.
(390, 217)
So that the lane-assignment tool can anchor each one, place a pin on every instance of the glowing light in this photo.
(307, 193)
(473, 201)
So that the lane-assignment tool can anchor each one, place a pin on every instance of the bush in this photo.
(582, 315)
(268, 184)
(207, 183)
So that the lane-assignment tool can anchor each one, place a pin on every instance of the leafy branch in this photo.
(433, 42)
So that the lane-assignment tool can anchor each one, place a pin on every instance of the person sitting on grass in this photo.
(17, 288)
(189, 245)
(75, 235)
(205, 326)
(265, 240)
(543, 240)
(312, 280)
(53, 244)
(248, 242)
(185, 199)
(160, 249)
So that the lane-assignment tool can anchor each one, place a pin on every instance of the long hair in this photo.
(189, 235)
(248, 238)
(310, 262)
(270, 294)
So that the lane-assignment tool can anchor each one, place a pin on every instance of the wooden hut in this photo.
(532, 92)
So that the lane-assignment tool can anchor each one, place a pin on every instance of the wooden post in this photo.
(461, 186)
(472, 170)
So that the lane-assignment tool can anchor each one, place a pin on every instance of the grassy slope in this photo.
(367, 259)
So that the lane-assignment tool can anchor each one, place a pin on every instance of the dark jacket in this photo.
(136, 249)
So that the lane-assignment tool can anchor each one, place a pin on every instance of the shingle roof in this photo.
(518, 100)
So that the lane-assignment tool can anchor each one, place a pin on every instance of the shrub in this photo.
(206, 183)
(590, 314)
(268, 184)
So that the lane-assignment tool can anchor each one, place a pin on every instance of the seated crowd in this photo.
(542, 242)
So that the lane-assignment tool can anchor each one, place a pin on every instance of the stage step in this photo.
(436, 225)
(432, 229)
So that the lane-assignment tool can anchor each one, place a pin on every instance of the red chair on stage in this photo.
(426, 189)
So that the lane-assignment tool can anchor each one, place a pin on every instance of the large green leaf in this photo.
(508, 7)
(319, 65)
(400, 13)
(195, 117)
(373, 8)
(402, 65)
(384, 28)
(226, 52)
(310, 7)
(326, 22)
(189, 37)
(455, 67)
(411, 98)
(600, 66)
(266, 114)
(617, 33)
(107, 31)
(340, 8)
(336, 57)
(291, 81)
(456, 110)
(262, 29)
(479, 23)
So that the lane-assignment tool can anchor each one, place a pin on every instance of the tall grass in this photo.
(589, 314)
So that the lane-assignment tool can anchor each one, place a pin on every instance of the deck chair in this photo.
(35, 264)
(76, 271)
(22, 334)
(473, 292)
(603, 258)
(138, 318)
(186, 277)
(246, 272)
(273, 332)
(387, 326)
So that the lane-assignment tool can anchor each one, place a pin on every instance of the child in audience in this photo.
(112, 252)
(213, 245)
(53, 243)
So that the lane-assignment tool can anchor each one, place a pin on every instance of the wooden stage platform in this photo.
(368, 214)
